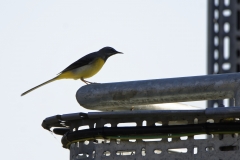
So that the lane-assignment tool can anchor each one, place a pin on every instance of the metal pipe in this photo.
(117, 95)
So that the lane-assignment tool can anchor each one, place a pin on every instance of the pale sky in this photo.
(38, 39)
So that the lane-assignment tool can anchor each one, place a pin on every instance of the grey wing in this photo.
(81, 62)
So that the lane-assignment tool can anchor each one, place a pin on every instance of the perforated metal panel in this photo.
(182, 148)
(223, 39)
(190, 149)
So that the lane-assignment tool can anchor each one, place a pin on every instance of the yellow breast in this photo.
(86, 71)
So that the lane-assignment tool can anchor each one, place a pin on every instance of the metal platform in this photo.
(207, 146)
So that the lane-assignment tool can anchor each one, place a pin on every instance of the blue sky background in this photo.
(38, 39)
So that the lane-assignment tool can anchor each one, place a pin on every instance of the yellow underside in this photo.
(86, 71)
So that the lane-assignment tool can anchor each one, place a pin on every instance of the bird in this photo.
(83, 68)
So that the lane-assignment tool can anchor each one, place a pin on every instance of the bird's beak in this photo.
(119, 52)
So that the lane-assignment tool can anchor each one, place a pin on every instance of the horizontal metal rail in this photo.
(119, 95)
(65, 119)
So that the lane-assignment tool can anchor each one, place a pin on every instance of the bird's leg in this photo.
(87, 82)
(84, 81)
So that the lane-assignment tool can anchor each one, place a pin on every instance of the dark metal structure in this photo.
(223, 39)
(150, 134)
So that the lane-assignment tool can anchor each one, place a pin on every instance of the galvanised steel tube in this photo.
(122, 94)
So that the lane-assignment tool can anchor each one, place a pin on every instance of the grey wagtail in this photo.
(83, 68)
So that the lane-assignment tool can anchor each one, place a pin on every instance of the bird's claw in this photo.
(94, 83)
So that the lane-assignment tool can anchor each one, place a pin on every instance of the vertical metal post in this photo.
(223, 39)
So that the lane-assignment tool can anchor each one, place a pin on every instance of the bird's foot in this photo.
(94, 83)
(87, 82)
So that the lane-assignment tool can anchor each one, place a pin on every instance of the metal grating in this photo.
(191, 147)
(184, 149)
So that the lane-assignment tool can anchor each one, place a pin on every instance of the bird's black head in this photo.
(108, 51)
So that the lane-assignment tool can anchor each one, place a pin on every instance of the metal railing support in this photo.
(223, 39)
(122, 94)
